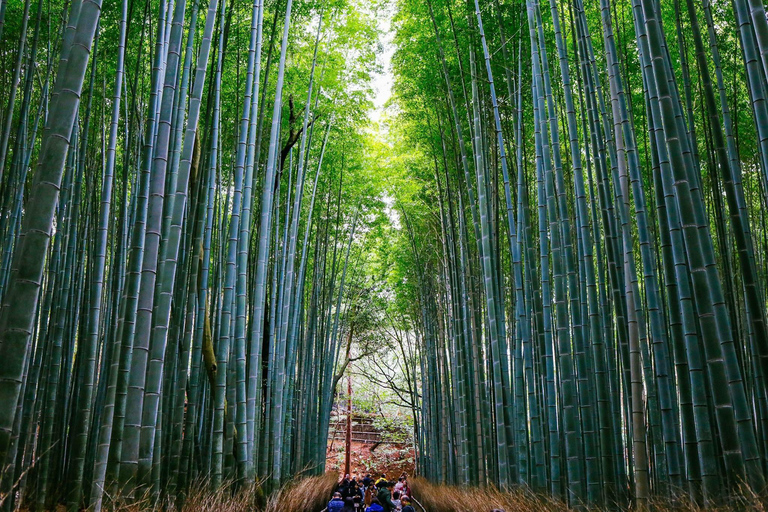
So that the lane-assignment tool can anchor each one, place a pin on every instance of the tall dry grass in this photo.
(228, 498)
(310, 494)
(446, 498)
(306, 494)
(201, 499)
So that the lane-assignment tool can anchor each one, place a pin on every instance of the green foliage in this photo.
(582, 313)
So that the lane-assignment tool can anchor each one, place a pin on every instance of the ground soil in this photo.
(388, 458)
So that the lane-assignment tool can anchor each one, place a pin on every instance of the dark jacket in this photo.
(408, 508)
(385, 498)
(367, 481)
(335, 505)
(351, 492)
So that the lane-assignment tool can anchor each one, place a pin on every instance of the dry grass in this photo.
(227, 498)
(744, 500)
(445, 498)
(201, 499)
(309, 494)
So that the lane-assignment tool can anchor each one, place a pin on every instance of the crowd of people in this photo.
(382, 495)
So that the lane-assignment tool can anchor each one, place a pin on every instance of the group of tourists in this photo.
(367, 495)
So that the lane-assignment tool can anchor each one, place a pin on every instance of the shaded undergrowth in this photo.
(446, 498)
(306, 494)
(311, 494)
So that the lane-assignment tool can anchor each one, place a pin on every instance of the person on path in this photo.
(407, 505)
(381, 479)
(406, 489)
(400, 484)
(352, 491)
(385, 496)
(396, 500)
(370, 495)
(349, 505)
(367, 482)
(356, 493)
(375, 506)
(336, 503)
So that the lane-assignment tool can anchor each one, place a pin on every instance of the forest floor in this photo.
(391, 459)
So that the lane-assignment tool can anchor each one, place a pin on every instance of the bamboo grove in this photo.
(588, 243)
(565, 208)
(181, 187)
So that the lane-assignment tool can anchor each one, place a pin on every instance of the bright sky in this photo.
(382, 82)
(382, 89)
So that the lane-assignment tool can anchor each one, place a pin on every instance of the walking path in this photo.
(348, 490)
(418, 506)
